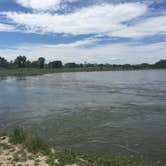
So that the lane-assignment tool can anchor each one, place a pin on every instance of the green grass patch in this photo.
(21, 72)
(37, 145)
(33, 144)
(18, 136)
(67, 157)
(114, 160)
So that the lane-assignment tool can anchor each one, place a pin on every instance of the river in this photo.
(94, 112)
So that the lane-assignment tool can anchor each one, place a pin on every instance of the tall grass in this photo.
(37, 145)
(34, 144)
(18, 136)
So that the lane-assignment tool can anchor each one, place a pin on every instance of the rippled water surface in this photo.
(99, 112)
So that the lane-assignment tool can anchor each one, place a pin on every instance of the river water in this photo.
(94, 112)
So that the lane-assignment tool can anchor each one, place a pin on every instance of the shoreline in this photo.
(21, 148)
(23, 72)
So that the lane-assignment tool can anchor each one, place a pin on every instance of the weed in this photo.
(37, 145)
(18, 136)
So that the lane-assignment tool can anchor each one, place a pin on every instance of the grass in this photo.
(33, 144)
(23, 72)
(18, 136)
(37, 71)
(67, 157)
(112, 160)
(37, 145)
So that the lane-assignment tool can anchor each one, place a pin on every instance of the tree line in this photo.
(23, 62)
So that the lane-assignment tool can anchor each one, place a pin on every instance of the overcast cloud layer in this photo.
(72, 30)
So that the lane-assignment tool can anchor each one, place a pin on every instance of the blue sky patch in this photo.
(82, 26)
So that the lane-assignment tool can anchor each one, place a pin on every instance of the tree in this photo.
(20, 61)
(71, 65)
(161, 64)
(3, 62)
(41, 62)
(28, 63)
(55, 64)
(144, 66)
(34, 64)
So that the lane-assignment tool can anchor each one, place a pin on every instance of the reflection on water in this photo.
(99, 112)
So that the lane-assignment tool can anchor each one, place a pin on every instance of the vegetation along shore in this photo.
(23, 67)
(20, 148)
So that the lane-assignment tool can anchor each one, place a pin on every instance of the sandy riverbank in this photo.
(21, 149)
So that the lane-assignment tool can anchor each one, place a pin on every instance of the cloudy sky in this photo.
(94, 31)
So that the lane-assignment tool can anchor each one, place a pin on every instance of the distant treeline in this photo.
(23, 62)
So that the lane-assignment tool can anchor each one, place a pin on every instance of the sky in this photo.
(91, 31)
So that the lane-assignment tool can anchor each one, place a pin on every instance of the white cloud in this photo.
(114, 53)
(6, 28)
(39, 4)
(42, 4)
(147, 27)
(120, 53)
(97, 19)
(105, 19)
(77, 44)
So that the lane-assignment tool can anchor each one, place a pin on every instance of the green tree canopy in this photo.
(20, 61)
(41, 62)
